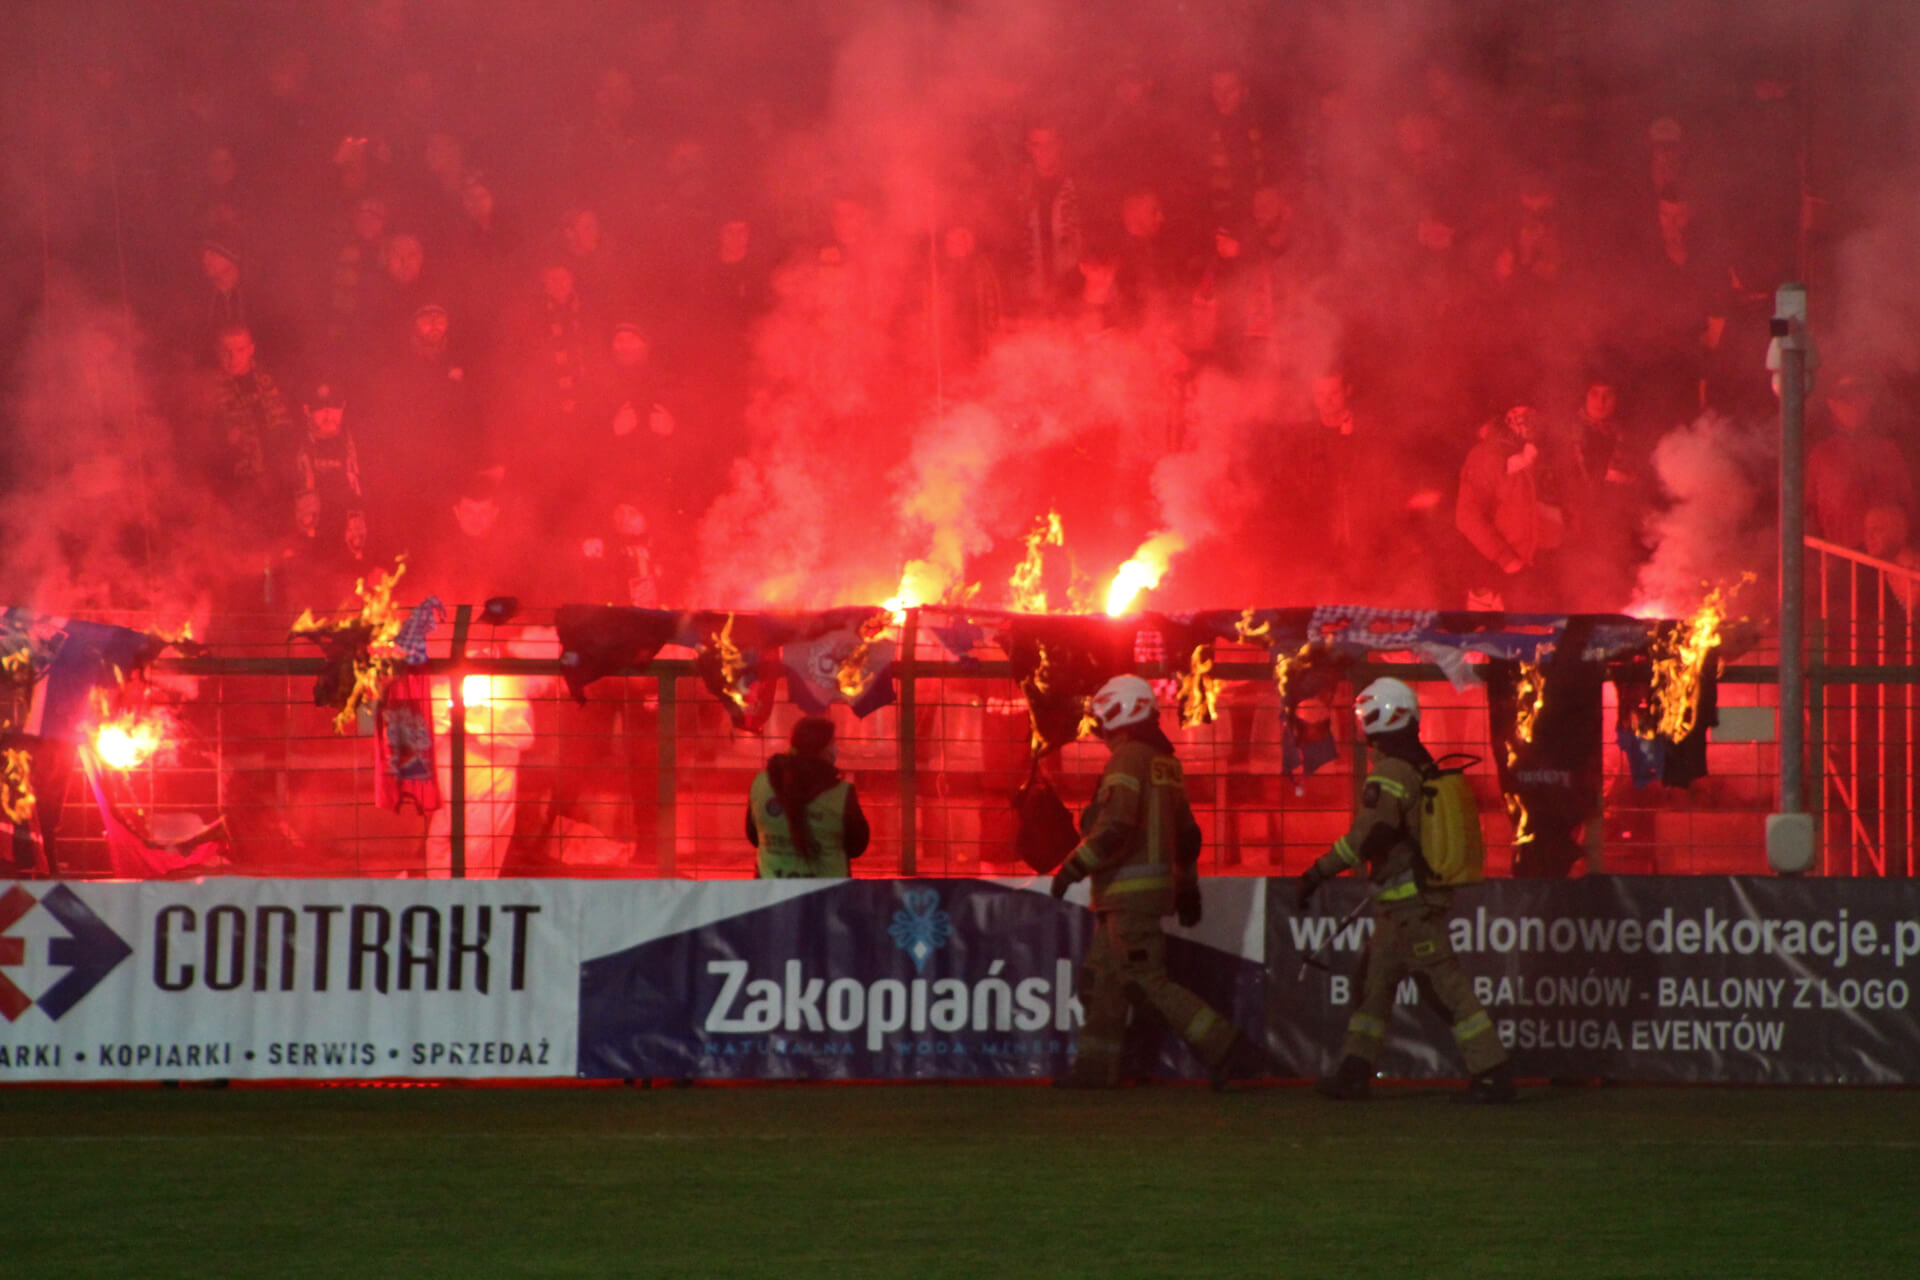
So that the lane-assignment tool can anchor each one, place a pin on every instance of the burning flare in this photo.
(1144, 571)
(126, 740)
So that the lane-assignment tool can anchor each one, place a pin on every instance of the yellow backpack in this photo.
(1450, 837)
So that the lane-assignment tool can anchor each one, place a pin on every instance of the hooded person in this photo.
(802, 816)
(1140, 846)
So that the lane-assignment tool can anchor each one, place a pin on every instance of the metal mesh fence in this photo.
(649, 777)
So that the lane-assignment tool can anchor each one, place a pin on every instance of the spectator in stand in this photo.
(423, 420)
(1854, 467)
(1236, 145)
(298, 568)
(1607, 499)
(405, 288)
(1886, 531)
(351, 276)
(602, 272)
(1511, 512)
(482, 545)
(1149, 271)
(482, 254)
(223, 201)
(967, 308)
(1047, 212)
(1133, 137)
(557, 346)
(614, 561)
(1689, 293)
(329, 462)
(224, 303)
(256, 439)
(727, 291)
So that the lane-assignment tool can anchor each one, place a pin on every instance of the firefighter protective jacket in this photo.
(1384, 838)
(1139, 833)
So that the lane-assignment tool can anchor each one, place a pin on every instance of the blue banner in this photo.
(901, 980)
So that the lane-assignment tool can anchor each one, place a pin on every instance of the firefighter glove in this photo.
(1304, 888)
(1186, 901)
(1062, 879)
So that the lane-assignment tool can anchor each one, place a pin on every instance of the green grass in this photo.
(957, 1181)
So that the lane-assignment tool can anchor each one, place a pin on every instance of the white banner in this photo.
(264, 979)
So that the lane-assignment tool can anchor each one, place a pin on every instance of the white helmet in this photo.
(1385, 705)
(1122, 701)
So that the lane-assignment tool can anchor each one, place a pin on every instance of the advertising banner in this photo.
(319, 979)
(1640, 978)
(899, 980)
(1631, 978)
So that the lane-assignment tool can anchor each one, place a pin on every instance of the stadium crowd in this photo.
(499, 285)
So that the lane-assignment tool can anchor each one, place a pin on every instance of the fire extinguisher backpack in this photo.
(1450, 837)
(1046, 832)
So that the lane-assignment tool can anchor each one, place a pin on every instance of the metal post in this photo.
(457, 723)
(909, 701)
(666, 817)
(1790, 325)
(1790, 837)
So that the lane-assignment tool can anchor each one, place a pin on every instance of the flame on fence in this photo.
(852, 677)
(18, 665)
(374, 665)
(732, 665)
(1199, 691)
(1027, 592)
(16, 785)
(1285, 666)
(1529, 701)
(1680, 655)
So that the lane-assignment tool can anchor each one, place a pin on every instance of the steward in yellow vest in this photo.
(802, 816)
(1410, 909)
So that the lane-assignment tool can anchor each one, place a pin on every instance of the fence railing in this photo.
(649, 777)
(1862, 708)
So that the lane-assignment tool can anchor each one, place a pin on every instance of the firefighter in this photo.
(1140, 845)
(803, 780)
(1410, 928)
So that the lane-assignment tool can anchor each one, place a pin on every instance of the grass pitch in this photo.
(931, 1181)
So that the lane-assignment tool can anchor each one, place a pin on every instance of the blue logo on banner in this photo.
(920, 928)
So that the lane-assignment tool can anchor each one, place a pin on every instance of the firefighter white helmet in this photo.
(1386, 705)
(1122, 701)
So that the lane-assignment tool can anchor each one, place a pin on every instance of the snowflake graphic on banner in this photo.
(920, 928)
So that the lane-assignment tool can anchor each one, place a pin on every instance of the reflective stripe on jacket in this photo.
(1130, 839)
(1385, 835)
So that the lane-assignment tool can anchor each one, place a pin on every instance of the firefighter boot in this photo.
(1351, 1082)
(1243, 1060)
(1492, 1086)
